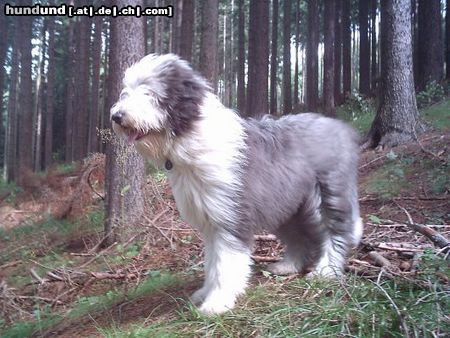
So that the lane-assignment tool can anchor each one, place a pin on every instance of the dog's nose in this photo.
(117, 117)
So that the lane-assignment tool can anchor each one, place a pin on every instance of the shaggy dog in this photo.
(231, 177)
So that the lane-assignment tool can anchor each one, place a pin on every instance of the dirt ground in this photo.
(169, 244)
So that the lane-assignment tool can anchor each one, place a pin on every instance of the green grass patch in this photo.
(353, 307)
(357, 111)
(438, 115)
(45, 319)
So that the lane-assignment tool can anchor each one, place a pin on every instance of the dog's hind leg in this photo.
(227, 269)
(344, 227)
(303, 236)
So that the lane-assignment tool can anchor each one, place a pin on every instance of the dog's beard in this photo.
(153, 146)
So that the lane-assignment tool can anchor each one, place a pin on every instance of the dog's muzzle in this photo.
(117, 118)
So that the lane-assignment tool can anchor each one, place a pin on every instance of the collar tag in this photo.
(168, 165)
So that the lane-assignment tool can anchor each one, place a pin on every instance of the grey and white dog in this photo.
(231, 177)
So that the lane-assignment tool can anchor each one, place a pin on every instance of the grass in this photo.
(438, 115)
(352, 307)
(89, 305)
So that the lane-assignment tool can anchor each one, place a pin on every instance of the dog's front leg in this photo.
(227, 269)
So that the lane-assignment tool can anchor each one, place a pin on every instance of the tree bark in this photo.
(287, 86)
(258, 56)
(241, 58)
(96, 49)
(125, 170)
(273, 59)
(209, 44)
(297, 46)
(51, 87)
(3, 48)
(25, 112)
(12, 126)
(397, 120)
(346, 49)
(364, 48)
(312, 94)
(187, 30)
(328, 57)
(430, 54)
(373, 48)
(447, 39)
(338, 52)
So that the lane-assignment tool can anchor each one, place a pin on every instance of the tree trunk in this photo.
(430, 54)
(12, 126)
(187, 30)
(297, 46)
(241, 58)
(346, 49)
(258, 56)
(447, 39)
(364, 48)
(39, 99)
(397, 120)
(373, 35)
(125, 170)
(328, 57)
(82, 102)
(338, 52)
(312, 69)
(51, 88)
(25, 112)
(287, 87)
(70, 89)
(209, 44)
(3, 49)
(96, 49)
(273, 59)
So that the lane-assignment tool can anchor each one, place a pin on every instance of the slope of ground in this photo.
(55, 281)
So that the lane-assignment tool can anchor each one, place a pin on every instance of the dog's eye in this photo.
(123, 95)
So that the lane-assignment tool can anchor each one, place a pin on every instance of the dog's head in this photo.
(160, 100)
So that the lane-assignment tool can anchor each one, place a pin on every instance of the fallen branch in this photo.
(10, 264)
(379, 260)
(37, 277)
(108, 275)
(265, 259)
(384, 246)
(268, 238)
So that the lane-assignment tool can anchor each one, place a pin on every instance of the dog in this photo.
(295, 176)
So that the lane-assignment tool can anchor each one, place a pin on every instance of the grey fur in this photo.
(300, 182)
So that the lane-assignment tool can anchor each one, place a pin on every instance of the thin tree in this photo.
(96, 49)
(447, 39)
(338, 52)
(50, 101)
(70, 90)
(397, 120)
(364, 48)
(125, 169)
(209, 43)
(273, 59)
(25, 111)
(430, 54)
(241, 58)
(3, 49)
(287, 86)
(312, 69)
(187, 29)
(346, 49)
(258, 57)
(328, 57)
(373, 47)
(297, 46)
(12, 125)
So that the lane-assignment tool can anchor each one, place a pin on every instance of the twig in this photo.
(98, 255)
(265, 259)
(268, 238)
(384, 246)
(9, 265)
(48, 300)
(370, 162)
(91, 186)
(431, 234)
(37, 277)
(379, 259)
(108, 275)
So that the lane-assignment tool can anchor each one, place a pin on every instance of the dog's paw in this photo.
(282, 268)
(214, 305)
(199, 296)
(327, 272)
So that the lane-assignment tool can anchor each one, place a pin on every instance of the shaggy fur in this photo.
(295, 176)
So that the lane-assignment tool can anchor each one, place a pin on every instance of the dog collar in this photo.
(168, 165)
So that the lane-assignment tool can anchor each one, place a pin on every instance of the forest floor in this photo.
(56, 281)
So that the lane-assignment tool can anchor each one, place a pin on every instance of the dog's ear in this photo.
(187, 99)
